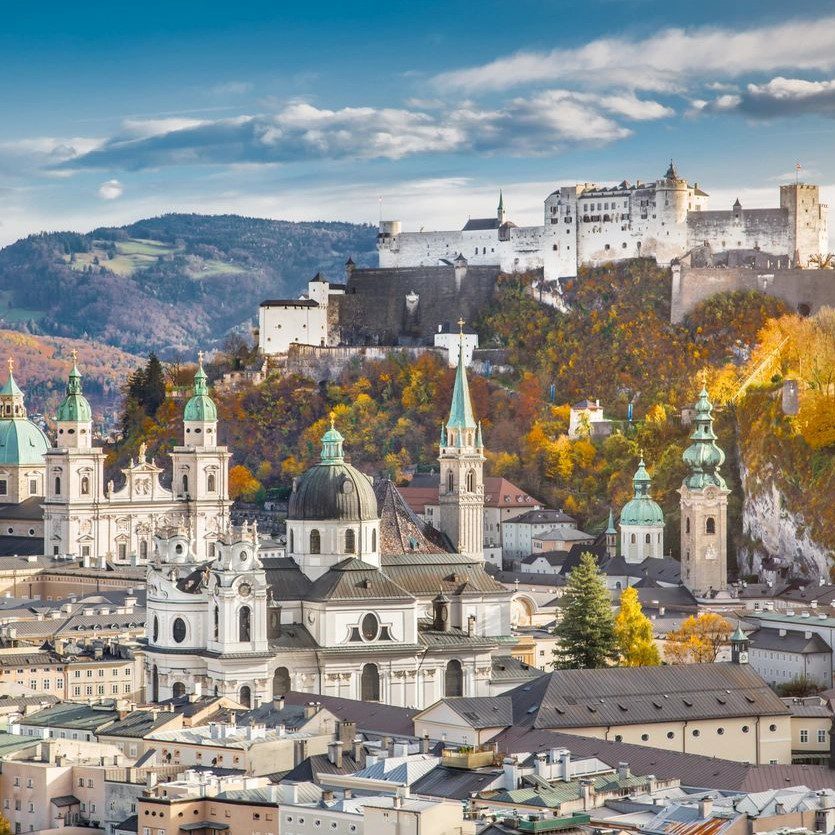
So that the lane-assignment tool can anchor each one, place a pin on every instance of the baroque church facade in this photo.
(368, 603)
(89, 519)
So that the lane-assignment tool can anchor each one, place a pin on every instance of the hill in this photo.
(168, 284)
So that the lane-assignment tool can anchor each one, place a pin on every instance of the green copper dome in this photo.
(333, 489)
(200, 407)
(74, 407)
(703, 456)
(641, 509)
(22, 442)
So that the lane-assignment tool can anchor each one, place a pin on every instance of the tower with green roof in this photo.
(641, 521)
(461, 488)
(74, 418)
(704, 507)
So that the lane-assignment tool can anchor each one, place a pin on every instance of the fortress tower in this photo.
(808, 231)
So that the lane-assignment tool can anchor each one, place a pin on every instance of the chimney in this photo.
(540, 766)
(587, 793)
(424, 744)
(335, 753)
(310, 710)
(327, 796)
(346, 731)
(511, 774)
(347, 794)
(150, 779)
(706, 807)
(301, 751)
(623, 771)
(385, 745)
(278, 702)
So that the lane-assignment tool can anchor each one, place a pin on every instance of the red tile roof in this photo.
(498, 492)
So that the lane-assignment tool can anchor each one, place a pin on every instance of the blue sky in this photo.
(114, 111)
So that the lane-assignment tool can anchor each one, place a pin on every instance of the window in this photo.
(155, 632)
(57, 485)
(696, 732)
(350, 541)
(648, 539)
(178, 690)
(185, 484)
(178, 630)
(710, 525)
(772, 728)
(644, 737)
(123, 550)
(292, 543)
(370, 627)
(632, 539)
(85, 485)
(315, 542)
(670, 735)
(4, 486)
(217, 622)
(143, 550)
(281, 681)
(245, 697)
(244, 630)
(33, 486)
(471, 481)
(210, 483)
(804, 735)
(454, 679)
(450, 482)
(821, 735)
(687, 525)
(373, 540)
(370, 683)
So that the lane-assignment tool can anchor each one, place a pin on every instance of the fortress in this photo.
(590, 224)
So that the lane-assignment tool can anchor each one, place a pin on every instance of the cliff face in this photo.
(777, 541)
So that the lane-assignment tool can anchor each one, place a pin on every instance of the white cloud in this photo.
(779, 97)
(111, 190)
(668, 60)
(231, 88)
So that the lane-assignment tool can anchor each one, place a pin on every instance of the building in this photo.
(641, 522)
(518, 532)
(302, 321)
(591, 224)
(704, 507)
(87, 518)
(368, 603)
(449, 339)
(586, 420)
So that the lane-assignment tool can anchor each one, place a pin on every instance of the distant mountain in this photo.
(169, 284)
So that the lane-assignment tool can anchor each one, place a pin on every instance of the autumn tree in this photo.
(633, 632)
(698, 640)
(242, 483)
(586, 632)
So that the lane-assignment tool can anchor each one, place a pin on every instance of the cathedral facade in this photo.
(368, 603)
(87, 518)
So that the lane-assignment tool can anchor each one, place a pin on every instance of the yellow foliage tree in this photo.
(242, 483)
(698, 640)
(633, 633)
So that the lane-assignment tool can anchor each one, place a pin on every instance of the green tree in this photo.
(586, 632)
(633, 631)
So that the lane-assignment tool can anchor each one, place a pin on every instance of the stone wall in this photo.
(327, 363)
(805, 291)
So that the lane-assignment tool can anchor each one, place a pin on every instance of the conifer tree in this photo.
(586, 632)
(633, 631)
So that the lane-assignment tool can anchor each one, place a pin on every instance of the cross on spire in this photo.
(200, 358)
(11, 364)
(74, 355)
(461, 324)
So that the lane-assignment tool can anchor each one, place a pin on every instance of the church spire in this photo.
(11, 397)
(461, 409)
(332, 440)
(74, 407)
(703, 456)
(500, 212)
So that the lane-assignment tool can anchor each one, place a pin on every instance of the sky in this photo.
(420, 111)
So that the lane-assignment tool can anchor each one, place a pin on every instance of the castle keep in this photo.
(590, 224)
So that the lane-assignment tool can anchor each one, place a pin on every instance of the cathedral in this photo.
(86, 518)
(368, 603)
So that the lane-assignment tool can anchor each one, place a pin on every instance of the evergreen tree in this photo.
(633, 631)
(153, 390)
(586, 632)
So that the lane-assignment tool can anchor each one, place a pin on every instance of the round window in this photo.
(670, 735)
(745, 729)
(178, 631)
(772, 728)
(644, 737)
(370, 627)
(696, 732)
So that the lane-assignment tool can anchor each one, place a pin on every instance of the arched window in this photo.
(292, 543)
(155, 684)
(246, 696)
(178, 630)
(471, 481)
(373, 540)
(156, 629)
(454, 679)
(315, 542)
(57, 485)
(143, 549)
(450, 482)
(85, 485)
(632, 539)
(217, 623)
(244, 631)
(210, 483)
(281, 682)
(710, 525)
(370, 683)
(350, 541)
(648, 539)
(185, 484)
(687, 525)
(178, 690)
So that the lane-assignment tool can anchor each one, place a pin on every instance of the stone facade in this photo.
(591, 224)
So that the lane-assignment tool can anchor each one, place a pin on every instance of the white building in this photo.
(781, 655)
(591, 224)
(586, 419)
(518, 533)
(641, 522)
(369, 602)
(449, 340)
(87, 518)
(302, 321)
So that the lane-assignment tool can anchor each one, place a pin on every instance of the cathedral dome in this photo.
(333, 489)
(641, 509)
(22, 442)
(200, 407)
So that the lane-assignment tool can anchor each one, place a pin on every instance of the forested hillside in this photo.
(169, 284)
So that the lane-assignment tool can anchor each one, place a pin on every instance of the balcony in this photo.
(468, 758)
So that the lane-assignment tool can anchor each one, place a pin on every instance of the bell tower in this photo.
(704, 507)
(461, 489)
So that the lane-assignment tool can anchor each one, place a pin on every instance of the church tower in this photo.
(201, 469)
(461, 489)
(641, 521)
(704, 507)
(501, 214)
(74, 478)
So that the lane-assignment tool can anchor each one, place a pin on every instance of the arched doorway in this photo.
(370, 683)
(178, 690)
(281, 682)
(454, 679)
(246, 696)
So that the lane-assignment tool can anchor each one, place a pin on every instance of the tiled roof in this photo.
(353, 579)
(369, 716)
(486, 712)
(285, 579)
(455, 783)
(543, 517)
(498, 492)
(428, 574)
(791, 641)
(507, 668)
(401, 532)
(481, 224)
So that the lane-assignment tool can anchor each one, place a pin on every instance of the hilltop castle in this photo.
(591, 224)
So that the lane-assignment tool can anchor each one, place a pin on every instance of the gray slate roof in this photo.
(796, 642)
(353, 579)
(485, 712)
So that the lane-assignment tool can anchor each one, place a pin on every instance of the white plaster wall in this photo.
(280, 327)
